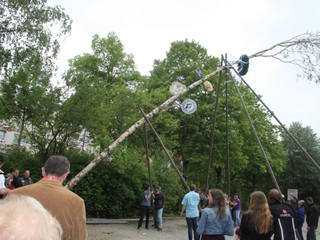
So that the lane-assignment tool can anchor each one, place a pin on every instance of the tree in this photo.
(104, 88)
(114, 189)
(26, 30)
(24, 94)
(300, 172)
(29, 33)
(167, 103)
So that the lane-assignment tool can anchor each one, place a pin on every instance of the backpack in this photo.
(243, 65)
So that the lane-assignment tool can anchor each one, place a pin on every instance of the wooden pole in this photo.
(166, 151)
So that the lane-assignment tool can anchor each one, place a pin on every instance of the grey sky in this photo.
(148, 27)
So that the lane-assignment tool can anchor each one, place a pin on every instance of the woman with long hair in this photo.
(256, 223)
(215, 221)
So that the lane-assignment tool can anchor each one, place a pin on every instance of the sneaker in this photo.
(139, 228)
(159, 229)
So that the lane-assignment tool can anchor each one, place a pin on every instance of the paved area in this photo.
(126, 229)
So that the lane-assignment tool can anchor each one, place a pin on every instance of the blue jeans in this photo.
(192, 226)
(159, 217)
(237, 213)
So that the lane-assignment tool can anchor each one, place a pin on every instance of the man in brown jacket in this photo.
(67, 207)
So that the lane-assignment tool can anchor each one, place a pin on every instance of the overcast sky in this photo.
(146, 28)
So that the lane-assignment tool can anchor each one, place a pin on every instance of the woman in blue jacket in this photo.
(215, 221)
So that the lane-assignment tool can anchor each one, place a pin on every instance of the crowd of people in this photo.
(59, 213)
(212, 215)
(13, 180)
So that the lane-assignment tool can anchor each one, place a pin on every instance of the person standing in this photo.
(284, 218)
(190, 203)
(3, 189)
(9, 179)
(158, 205)
(237, 208)
(15, 173)
(227, 199)
(256, 223)
(67, 207)
(145, 207)
(215, 221)
(203, 202)
(300, 211)
(312, 219)
(26, 179)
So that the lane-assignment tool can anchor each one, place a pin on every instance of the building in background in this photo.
(10, 136)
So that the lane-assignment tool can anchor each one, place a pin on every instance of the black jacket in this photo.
(312, 216)
(284, 221)
(158, 201)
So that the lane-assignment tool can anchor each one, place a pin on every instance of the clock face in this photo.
(188, 106)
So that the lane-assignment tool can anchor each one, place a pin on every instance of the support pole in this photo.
(256, 136)
(227, 134)
(146, 143)
(166, 151)
(272, 114)
(212, 131)
(147, 154)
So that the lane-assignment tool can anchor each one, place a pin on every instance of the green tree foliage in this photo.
(175, 127)
(105, 89)
(22, 159)
(29, 33)
(29, 102)
(248, 167)
(24, 95)
(300, 172)
(104, 96)
(189, 135)
(169, 181)
(115, 188)
(28, 29)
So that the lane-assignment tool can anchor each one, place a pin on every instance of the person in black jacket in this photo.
(284, 217)
(158, 205)
(312, 219)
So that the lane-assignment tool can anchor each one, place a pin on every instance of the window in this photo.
(2, 135)
(15, 139)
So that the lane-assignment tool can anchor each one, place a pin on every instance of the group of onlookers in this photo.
(268, 217)
(57, 213)
(14, 181)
